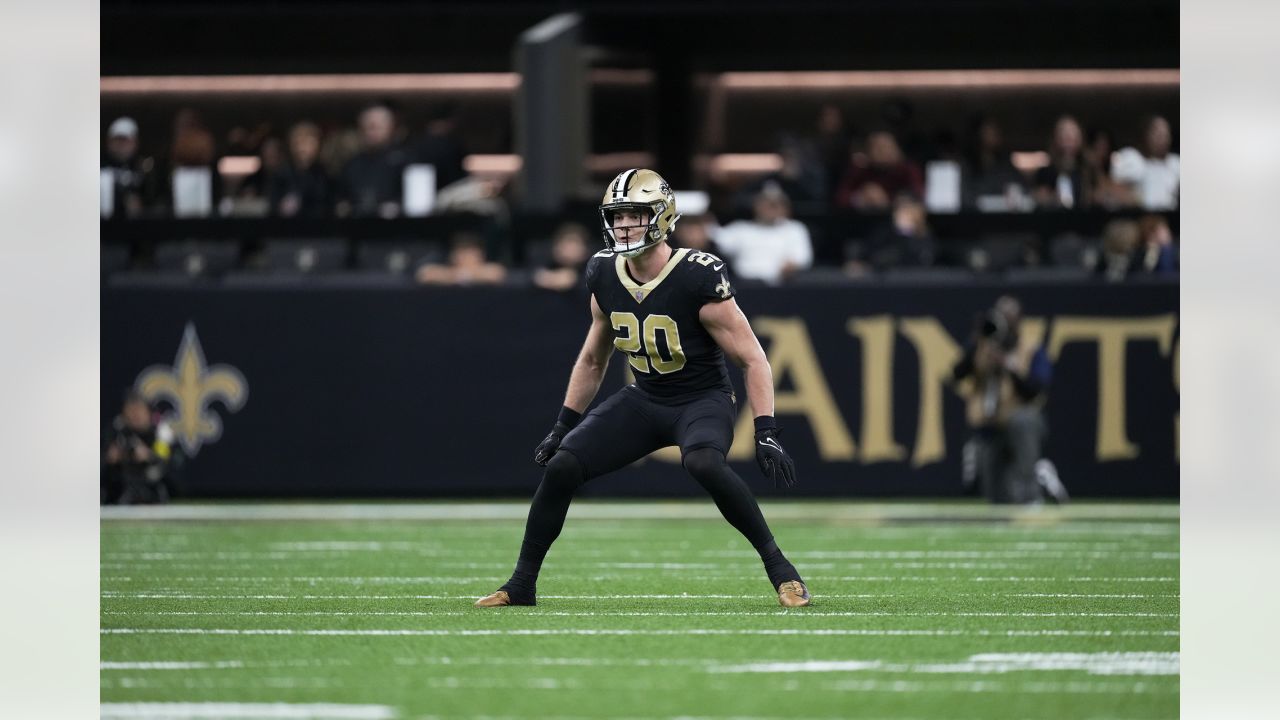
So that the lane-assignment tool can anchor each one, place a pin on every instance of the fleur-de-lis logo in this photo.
(723, 287)
(190, 387)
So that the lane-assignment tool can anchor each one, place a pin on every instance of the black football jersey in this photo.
(656, 325)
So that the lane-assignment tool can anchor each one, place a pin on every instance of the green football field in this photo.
(646, 610)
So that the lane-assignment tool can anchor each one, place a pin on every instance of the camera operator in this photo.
(1004, 380)
(138, 455)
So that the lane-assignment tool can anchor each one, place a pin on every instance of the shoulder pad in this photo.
(604, 253)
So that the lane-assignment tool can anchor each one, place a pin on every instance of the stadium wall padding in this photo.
(406, 392)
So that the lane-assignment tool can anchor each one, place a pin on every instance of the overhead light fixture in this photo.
(938, 79)
(355, 83)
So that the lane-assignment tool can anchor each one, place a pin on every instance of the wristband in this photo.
(569, 417)
(766, 422)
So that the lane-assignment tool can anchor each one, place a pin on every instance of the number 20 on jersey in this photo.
(630, 337)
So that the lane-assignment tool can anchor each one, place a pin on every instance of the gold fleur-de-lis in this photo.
(190, 387)
(723, 287)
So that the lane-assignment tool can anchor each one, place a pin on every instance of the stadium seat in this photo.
(197, 258)
(821, 276)
(1000, 251)
(1048, 274)
(943, 275)
(305, 256)
(396, 257)
(354, 279)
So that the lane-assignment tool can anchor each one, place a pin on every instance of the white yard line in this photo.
(170, 665)
(546, 613)
(218, 596)
(428, 579)
(622, 632)
(676, 510)
(1106, 663)
(245, 711)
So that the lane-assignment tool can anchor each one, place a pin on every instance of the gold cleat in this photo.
(792, 594)
(497, 599)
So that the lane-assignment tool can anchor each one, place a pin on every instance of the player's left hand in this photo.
(550, 444)
(774, 461)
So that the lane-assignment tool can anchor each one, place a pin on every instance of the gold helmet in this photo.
(641, 191)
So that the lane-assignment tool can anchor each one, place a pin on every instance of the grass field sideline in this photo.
(648, 609)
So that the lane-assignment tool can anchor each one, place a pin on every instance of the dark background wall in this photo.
(412, 392)
(238, 36)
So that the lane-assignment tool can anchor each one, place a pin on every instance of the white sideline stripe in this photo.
(246, 711)
(1113, 663)
(643, 510)
(340, 549)
(689, 631)
(989, 686)
(392, 580)
(559, 613)
(169, 665)
(209, 596)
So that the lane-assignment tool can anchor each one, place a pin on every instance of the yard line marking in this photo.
(988, 686)
(254, 711)
(955, 554)
(1027, 518)
(173, 595)
(169, 665)
(689, 631)
(1104, 663)
(631, 613)
(395, 580)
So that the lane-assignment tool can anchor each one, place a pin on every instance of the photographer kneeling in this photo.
(1004, 380)
(137, 460)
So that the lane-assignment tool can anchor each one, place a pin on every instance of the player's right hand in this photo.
(550, 444)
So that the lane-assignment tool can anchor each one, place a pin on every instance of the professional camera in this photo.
(994, 327)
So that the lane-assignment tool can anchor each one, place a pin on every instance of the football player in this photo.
(672, 314)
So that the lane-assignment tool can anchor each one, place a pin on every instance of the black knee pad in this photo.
(564, 472)
(705, 463)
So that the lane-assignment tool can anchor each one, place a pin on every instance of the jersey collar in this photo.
(640, 292)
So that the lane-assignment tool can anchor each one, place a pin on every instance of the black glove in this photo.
(551, 443)
(774, 461)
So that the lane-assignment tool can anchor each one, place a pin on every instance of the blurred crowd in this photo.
(898, 176)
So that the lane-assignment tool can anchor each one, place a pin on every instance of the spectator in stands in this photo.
(875, 178)
(1153, 171)
(441, 147)
(988, 170)
(771, 246)
(1004, 378)
(1156, 254)
(831, 142)
(303, 187)
(903, 241)
(1101, 188)
(137, 455)
(1120, 243)
(1060, 184)
(371, 184)
(193, 144)
(801, 178)
(569, 255)
(136, 186)
(194, 148)
(697, 232)
(271, 163)
(467, 265)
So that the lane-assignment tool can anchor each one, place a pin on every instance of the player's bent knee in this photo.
(704, 463)
(564, 472)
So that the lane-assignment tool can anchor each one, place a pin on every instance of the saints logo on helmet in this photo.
(642, 192)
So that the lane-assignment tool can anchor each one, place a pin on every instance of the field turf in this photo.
(953, 611)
